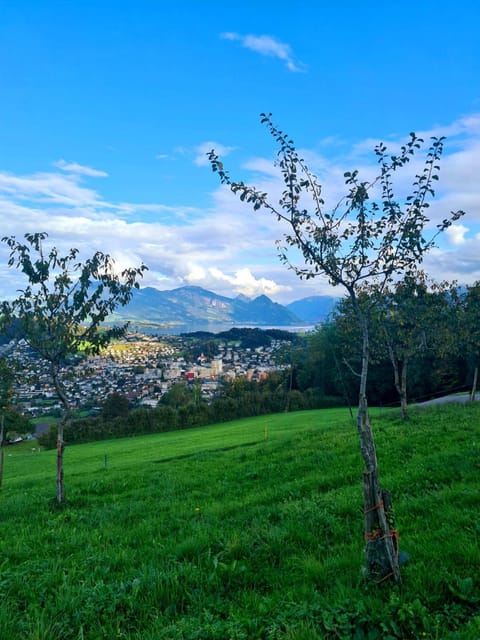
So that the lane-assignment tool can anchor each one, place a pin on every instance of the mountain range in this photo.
(191, 308)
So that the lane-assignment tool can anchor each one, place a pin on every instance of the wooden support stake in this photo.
(381, 550)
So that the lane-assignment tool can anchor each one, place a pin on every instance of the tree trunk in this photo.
(381, 537)
(344, 386)
(403, 391)
(474, 385)
(60, 449)
(2, 449)
(289, 391)
(60, 442)
(381, 551)
(399, 379)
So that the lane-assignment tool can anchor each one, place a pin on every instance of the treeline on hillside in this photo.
(246, 336)
(8, 331)
(15, 425)
(424, 341)
(183, 408)
(206, 343)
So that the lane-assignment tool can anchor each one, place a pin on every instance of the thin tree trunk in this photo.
(2, 450)
(399, 379)
(60, 441)
(289, 390)
(381, 554)
(60, 450)
(403, 391)
(344, 386)
(474, 385)
(396, 372)
(367, 444)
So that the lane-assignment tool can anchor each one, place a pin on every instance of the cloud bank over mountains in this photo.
(219, 243)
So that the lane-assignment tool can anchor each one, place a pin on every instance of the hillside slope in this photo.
(250, 529)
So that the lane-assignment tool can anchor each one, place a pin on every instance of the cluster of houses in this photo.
(142, 368)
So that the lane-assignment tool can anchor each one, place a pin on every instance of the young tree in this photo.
(370, 236)
(62, 308)
(6, 391)
(116, 405)
(467, 330)
(179, 395)
(413, 318)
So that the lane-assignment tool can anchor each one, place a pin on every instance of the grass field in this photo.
(250, 529)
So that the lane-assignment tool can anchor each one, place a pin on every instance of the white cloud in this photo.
(267, 46)
(243, 281)
(227, 247)
(74, 167)
(456, 234)
(177, 245)
(202, 149)
(48, 187)
(263, 166)
(196, 275)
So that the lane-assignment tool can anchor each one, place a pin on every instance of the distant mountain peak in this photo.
(183, 307)
(190, 306)
(313, 309)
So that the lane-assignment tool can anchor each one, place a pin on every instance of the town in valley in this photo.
(139, 367)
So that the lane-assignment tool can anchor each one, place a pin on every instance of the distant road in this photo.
(462, 398)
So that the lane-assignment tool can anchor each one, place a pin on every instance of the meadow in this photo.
(248, 529)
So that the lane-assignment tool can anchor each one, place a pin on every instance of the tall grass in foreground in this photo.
(251, 529)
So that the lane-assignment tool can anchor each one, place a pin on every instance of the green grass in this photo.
(251, 529)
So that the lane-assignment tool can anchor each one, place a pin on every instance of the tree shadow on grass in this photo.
(200, 454)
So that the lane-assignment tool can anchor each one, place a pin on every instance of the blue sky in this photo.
(107, 109)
